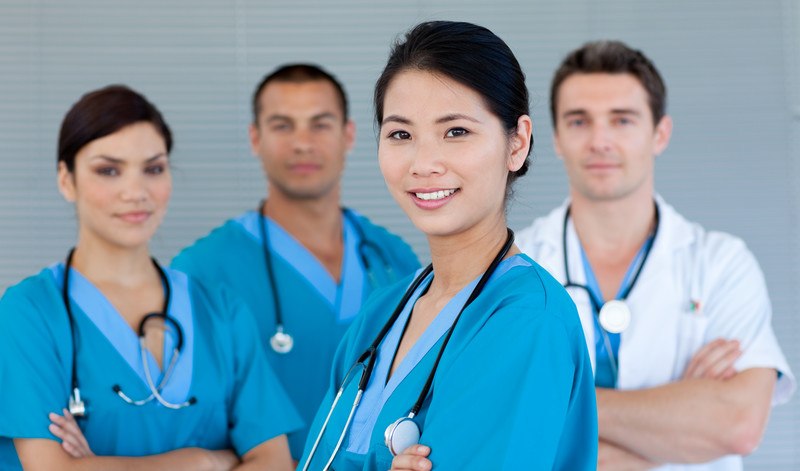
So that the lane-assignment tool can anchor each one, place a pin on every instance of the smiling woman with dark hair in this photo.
(109, 361)
(481, 356)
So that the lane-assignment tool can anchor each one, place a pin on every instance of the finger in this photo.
(723, 363)
(72, 427)
(71, 449)
(706, 359)
(697, 358)
(410, 463)
(57, 431)
(417, 450)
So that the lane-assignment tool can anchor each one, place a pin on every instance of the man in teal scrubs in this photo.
(301, 262)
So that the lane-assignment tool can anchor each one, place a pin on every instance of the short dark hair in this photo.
(102, 112)
(299, 73)
(612, 57)
(470, 55)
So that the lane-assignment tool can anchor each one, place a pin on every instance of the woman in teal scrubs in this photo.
(184, 387)
(480, 357)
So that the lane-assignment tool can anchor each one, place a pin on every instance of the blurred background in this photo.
(732, 69)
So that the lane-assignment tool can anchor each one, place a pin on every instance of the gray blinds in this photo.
(731, 67)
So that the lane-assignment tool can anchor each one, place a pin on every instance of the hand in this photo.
(222, 460)
(72, 439)
(413, 458)
(714, 361)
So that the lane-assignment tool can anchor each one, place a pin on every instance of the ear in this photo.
(350, 134)
(66, 182)
(255, 138)
(663, 133)
(557, 145)
(520, 143)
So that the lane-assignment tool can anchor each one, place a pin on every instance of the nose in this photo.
(134, 189)
(302, 141)
(427, 160)
(600, 139)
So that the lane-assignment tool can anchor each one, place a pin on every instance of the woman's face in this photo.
(445, 157)
(120, 185)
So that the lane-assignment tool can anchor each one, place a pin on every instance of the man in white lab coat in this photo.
(686, 363)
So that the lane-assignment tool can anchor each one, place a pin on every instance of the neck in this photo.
(612, 226)
(453, 268)
(306, 219)
(103, 263)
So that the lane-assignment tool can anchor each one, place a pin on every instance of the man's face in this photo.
(606, 137)
(302, 138)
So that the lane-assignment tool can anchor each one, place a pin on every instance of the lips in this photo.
(432, 198)
(134, 217)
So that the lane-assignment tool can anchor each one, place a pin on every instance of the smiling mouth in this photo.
(434, 195)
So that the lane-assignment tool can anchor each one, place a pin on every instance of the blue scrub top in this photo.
(513, 390)
(240, 402)
(316, 309)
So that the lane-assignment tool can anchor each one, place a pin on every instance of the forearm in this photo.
(44, 454)
(612, 457)
(272, 455)
(689, 421)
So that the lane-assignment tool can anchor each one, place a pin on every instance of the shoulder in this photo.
(214, 301)
(528, 293)
(224, 237)
(34, 289)
(33, 303)
(376, 233)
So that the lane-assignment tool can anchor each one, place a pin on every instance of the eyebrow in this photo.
(116, 160)
(316, 117)
(444, 119)
(616, 111)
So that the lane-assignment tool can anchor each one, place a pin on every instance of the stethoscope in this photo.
(403, 432)
(613, 316)
(77, 405)
(281, 341)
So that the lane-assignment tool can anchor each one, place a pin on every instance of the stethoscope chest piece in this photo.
(76, 406)
(401, 434)
(615, 316)
(281, 342)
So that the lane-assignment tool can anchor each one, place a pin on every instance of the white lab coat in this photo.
(686, 265)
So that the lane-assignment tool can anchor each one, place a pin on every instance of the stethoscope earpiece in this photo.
(76, 406)
(401, 434)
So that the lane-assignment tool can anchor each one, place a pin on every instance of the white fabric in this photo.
(687, 265)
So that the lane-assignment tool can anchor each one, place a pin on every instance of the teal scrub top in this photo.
(316, 309)
(513, 390)
(240, 402)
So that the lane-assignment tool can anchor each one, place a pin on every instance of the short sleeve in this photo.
(738, 307)
(34, 371)
(260, 408)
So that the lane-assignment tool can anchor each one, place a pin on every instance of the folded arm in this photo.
(692, 420)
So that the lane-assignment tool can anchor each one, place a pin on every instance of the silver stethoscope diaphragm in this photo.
(281, 342)
(615, 316)
(401, 434)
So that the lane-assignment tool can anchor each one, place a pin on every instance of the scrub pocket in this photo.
(692, 326)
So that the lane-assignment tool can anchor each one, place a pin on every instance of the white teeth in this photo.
(435, 195)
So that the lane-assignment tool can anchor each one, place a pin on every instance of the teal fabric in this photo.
(240, 402)
(514, 389)
(232, 255)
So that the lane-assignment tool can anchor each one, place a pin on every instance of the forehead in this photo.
(300, 99)
(133, 142)
(601, 92)
(415, 92)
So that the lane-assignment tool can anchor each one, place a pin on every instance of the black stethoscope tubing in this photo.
(370, 354)
(68, 305)
(570, 284)
(280, 333)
